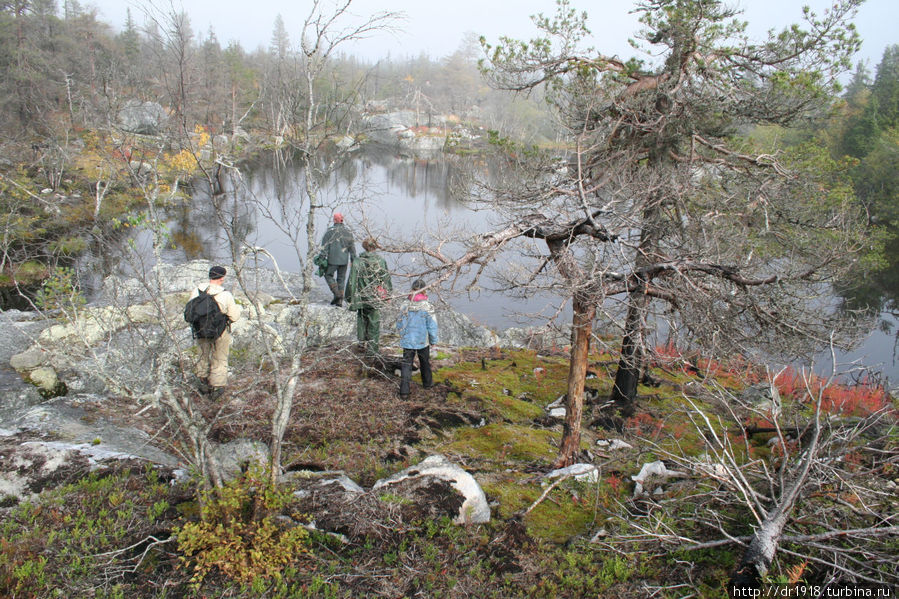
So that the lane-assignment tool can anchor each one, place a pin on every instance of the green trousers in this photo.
(368, 328)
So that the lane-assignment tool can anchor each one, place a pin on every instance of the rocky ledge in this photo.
(63, 368)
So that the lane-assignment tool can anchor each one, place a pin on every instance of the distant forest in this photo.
(65, 68)
(66, 72)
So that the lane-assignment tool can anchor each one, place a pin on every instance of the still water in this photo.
(404, 200)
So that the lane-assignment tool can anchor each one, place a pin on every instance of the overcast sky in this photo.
(437, 27)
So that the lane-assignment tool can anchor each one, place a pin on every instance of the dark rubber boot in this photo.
(335, 291)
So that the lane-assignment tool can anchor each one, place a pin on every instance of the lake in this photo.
(402, 199)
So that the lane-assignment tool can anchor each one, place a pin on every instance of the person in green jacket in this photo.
(367, 290)
(338, 248)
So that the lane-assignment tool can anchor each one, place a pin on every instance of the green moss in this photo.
(503, 442)
(569, 511)
(513, 386)
(509, 408)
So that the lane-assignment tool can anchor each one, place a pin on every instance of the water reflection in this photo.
(401, 198)
(877, 295)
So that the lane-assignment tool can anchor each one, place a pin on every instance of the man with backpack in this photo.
(210, 312)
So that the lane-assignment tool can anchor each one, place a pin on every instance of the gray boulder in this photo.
(144, 118)
(323, 323)
(70, 424)
(183, 278)
(235, 455)
(457, 330)
(762, 396)
(29, 359)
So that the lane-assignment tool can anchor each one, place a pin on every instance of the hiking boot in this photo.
(403, 396)
(215, 393)
(203, 386)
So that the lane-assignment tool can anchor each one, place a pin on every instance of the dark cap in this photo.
(217, 272)
(417, 284)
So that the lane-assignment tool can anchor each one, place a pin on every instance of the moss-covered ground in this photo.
(579, 538)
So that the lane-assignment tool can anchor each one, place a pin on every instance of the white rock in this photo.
(348, 484)
(601, 533)
(474, 510)
(583, 472)
(619, 444)
(657, 469)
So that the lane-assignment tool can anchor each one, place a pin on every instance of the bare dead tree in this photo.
(820, 497)
(311, 123)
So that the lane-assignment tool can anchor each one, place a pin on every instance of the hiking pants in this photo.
(368, 328)
(213, 363)
(336, 285)
(424, 363)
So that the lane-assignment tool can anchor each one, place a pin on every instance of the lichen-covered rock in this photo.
(236, 455)
(444, 486)
(44, 378)
(29, 359)
(29, 467)
(457, 330)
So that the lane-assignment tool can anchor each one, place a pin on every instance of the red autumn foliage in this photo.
(737, 370)
(614, 481)
(859, 399)
(644, 424)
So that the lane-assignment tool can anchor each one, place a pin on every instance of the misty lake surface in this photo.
(400, 199)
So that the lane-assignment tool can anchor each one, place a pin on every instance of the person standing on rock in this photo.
(367, 290)
(212, 367)
(418, 331)
(338, 249)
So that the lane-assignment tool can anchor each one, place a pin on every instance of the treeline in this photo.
(870, 134)
(65, 68)
(866, 131)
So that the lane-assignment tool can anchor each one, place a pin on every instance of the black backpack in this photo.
(207, 321)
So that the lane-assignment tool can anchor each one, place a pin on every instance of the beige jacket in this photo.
(222, 297)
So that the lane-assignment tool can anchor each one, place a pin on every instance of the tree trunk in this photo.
(758, 556)
(582, 321)
(630, 364)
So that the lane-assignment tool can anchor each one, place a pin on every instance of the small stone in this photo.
(583, 472)
(28, 359)
(599, 534)
(558, 412)
(45, 378)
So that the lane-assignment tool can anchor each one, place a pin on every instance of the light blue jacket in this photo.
(417, 325)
